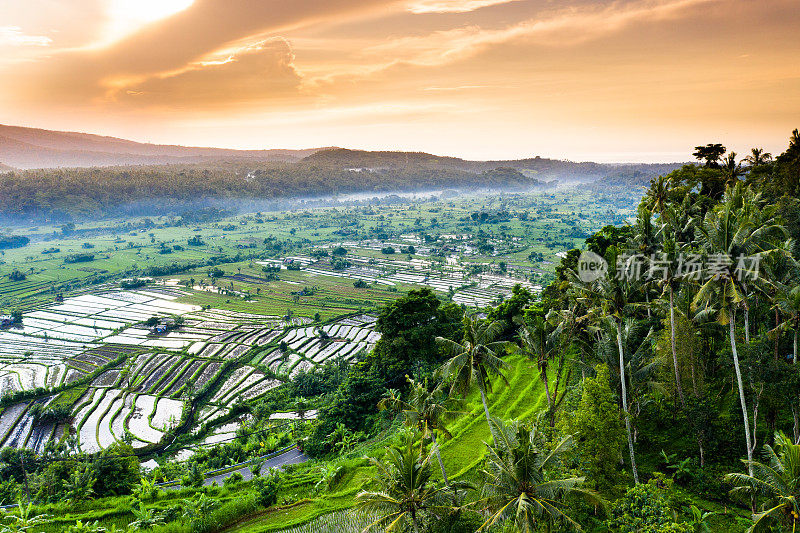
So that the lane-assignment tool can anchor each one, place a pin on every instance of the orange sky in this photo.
(605, 80)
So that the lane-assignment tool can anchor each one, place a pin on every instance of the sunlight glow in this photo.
(127, 16)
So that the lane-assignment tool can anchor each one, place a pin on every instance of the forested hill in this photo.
(63, 195)
(542, 168)
(115, 181)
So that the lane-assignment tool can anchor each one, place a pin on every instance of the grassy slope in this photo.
(522, 397)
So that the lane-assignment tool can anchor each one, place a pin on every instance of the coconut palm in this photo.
(729, 231)
(520, 485)
(731, 170)
(644, 243)
(777, 481)
(539, 344)
(405, 496)
(787, 301)
(640, 367)
(612, 297)
(657, 196)
(426, 411)
(675, 231)
(472, 361)
(758, 157)
(669, 277)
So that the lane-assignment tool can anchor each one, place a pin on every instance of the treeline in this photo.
(63, 195)
(543, 168)
(13, 241)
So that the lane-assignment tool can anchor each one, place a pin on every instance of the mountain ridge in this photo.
(29, 148)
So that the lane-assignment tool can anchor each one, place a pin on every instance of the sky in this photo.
(622, 80)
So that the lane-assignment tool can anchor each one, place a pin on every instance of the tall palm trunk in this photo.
(547, 391)
(777, 335)
(439, 457)
(625, 402)
(746, 323)
(731, 327)
(482, 387)
(794, 407)
(674, 351)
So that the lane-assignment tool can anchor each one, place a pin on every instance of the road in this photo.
(289, 457)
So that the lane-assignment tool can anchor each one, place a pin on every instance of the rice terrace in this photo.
(399, 266)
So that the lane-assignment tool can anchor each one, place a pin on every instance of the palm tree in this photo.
(731, 170)
(426, 411)
(788, 302)
(540, 345)
(473, 360)
(729, 230)
(645, 242)
(612, 297)
(758, 157)
(657, 196)
(519, 484)
(675, 226)
(640, 367)
(777, 480)
(405, 496)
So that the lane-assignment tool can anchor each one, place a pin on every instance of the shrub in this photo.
(267, 490)
(644, 509)
(194, 478)
(227, 514)
(233, 479)
(172, 513)
(79, 258)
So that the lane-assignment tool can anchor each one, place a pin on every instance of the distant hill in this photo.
(64, 176)
(27, 148)
(541, 168)
(6, 168)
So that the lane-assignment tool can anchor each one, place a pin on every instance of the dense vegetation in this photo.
(659, 396)
(681, 375)
(92, 193)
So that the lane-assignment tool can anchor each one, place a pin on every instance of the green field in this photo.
(535, 223)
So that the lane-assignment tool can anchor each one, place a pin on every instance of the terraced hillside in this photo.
(521, 399)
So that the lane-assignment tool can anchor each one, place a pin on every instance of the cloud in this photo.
(469, 87)
(13, 36)
(208, 25)
(153, 56)
(566, 27)
(257, 73)
(452, 6)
